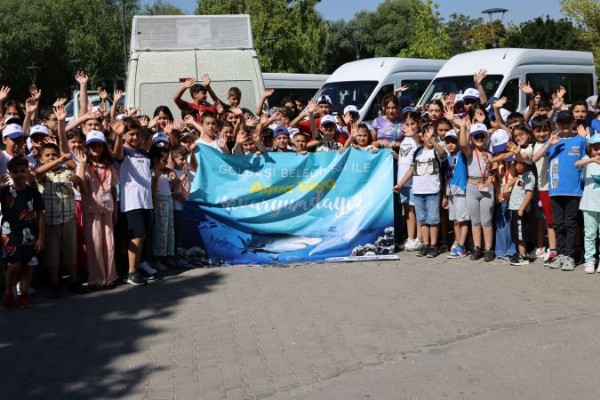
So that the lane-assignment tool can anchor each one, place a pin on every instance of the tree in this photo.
(482, 37)
(161, 7)
(430, 40)
(460, 30)
(586, 14)
(290, 33)
(546, 33)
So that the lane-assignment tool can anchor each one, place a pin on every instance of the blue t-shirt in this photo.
(563, 156)
(455, 170)
(594, 126)
(387, 130)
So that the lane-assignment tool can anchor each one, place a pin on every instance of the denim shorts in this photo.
(405, 195)
(427, 208)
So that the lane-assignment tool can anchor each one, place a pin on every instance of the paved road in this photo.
(413, 329)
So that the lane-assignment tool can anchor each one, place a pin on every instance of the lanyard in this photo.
(484, 171)
(102, 178)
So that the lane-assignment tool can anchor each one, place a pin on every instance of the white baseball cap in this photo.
(95, 137)
(13, 131)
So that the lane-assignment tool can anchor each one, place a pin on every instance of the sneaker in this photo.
(568, 264)
(518, 259)
(433, 252)
(443, 247)
(135, 279)
(413, 245)
(549, 257)
(540, 252)
(423, 250)
(489, 256)
(147, 268)
(458, 252)
(25, 301)
(555, 263)
(9, 302)
(590, 267)
(454, 246)
(476, 254)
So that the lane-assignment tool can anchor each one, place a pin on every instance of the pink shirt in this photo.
(97, 198)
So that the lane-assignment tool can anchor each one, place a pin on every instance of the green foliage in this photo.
(298, 29)
(161, 7)
(460, 29)
(586, 14)
(546, 33)
(430, 40)
(90, 31)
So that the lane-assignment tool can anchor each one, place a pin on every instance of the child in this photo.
(564, 149)
(521, 193)
(135, 201)
(542, 127)
(99, 200)
(22, 231)
(281, 139)
(198, 93)
(328, 130)
(55, 183)
(299, 140)
(14, 140)
(186, 176)
(590, 201)
(360, 138)
(426, 187)
(164, 182)
(455, 196)
(480, 187)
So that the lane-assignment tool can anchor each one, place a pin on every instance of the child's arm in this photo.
(525, 203)
(261, 103)
(41, 218)
(478, 78)
(206, 83)
(188, 83)
(81, 169)
(82, 78)
(498, 104)
(113, 109)
(119, 129)
(406, 177)
(61, 115)
(42, 169)
(585, 161)
(115, 214)
(463, 136)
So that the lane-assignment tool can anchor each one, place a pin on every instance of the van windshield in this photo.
(347, 93)
(458, 84)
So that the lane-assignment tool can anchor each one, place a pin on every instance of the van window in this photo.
(347, 93)
(416, 88)
(277, 97)
(375, 107)
(579, 86)
(458, 84)
(511, 91)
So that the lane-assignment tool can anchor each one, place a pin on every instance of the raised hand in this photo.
(31, 104)
(60, 112)
(143, 120)
(513, 148)
(479, 76)
(268, 92)
(117, 127)
(220, 108)
(402, 89)
(81, 155)
(81, 78)
(189, 82)
(206, 80)
(132, 111)
(526, 88)
(178, 125)
(561, 92)
(311, 107)
(60, 101)
(117, 95)
(4, 91)
(498, 104)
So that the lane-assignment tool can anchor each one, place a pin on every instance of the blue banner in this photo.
(289, 207)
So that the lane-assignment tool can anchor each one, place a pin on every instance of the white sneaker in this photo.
(413, 245)
(31, 291)
(147, 268)
(590, 267)
(540, 252)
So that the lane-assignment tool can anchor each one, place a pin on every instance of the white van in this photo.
(545, 70)
(167, 49)
(303, 86)
(364, 83)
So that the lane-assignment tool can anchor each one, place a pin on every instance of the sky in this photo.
(518, 10)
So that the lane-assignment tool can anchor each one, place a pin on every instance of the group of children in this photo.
(111, 183)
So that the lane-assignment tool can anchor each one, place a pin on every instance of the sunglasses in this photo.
(479, 136)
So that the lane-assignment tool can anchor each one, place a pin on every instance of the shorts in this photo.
(546, 206)
(406, 196)
(519, 226)
(458, 208)
(60, 247)
(19, 253)
(139, 223)
(427, 208)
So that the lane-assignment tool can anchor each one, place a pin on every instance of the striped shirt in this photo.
(59, 197)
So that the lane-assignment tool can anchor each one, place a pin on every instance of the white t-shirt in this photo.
(405, 157)
(135, 176)
(426, 177)
(542, 166)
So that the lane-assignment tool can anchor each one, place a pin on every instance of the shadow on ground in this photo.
(92, 346)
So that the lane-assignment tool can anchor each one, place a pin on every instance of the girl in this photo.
(164, 182)
(387, 130)
(435, 111)
(360, 139)
(589, 202)
(161, 117)
(226, 131)
(99, 199)
(480, 186)
(411, 140)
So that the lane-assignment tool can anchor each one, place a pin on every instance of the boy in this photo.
(521, 189)
(199, 103)
(328, 131)
(22, 231)
(56, 183)
(455, 196)
(281, 139)
(179, 156)
(564, 148)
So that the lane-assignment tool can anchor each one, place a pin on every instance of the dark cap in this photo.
(565, 117)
